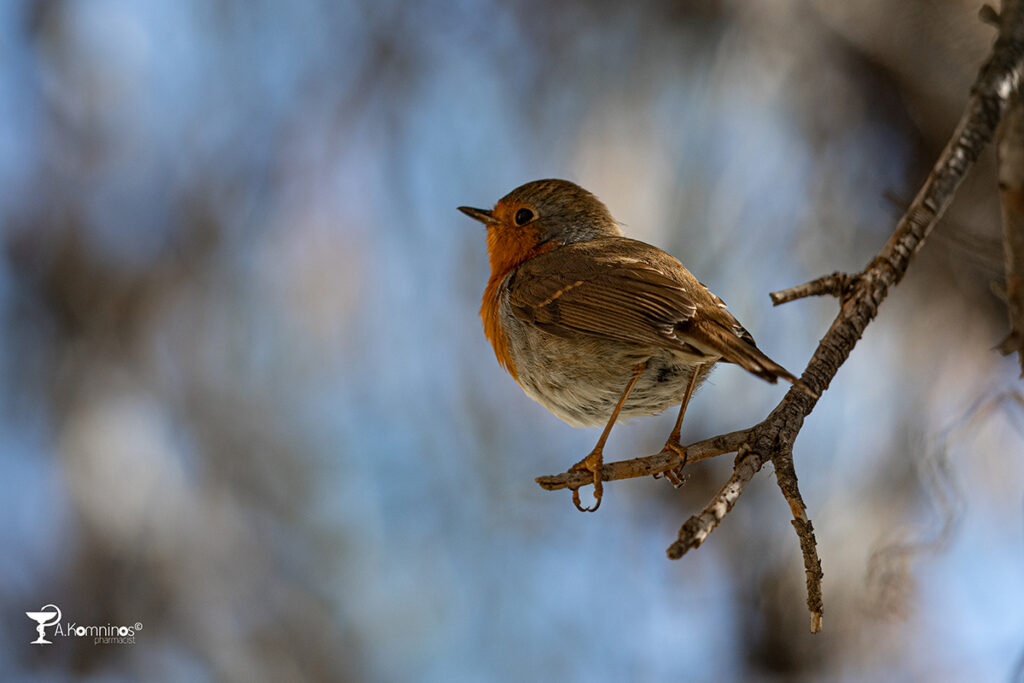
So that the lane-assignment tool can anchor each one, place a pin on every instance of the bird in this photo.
(596, 326)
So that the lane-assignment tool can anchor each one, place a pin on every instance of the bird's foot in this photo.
(675, 475)
(593, 463)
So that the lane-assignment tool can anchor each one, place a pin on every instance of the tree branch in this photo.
(836, 284)
(785, 476)
(1010, 154)
(658, 463)
(697, 528)
(860, 296)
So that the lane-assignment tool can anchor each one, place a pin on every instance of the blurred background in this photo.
(246, 399)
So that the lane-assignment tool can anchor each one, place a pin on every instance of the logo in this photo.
(48, 615)
(109, 634)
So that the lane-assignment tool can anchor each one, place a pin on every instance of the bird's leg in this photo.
(673, 444)
(594, 462)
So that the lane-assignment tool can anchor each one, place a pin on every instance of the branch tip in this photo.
(837, 284)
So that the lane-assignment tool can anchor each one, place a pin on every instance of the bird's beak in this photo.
(485, 217)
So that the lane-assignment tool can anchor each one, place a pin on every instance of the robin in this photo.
(595, 326)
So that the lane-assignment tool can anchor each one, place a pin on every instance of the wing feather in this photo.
(629, 301)
(628, 291)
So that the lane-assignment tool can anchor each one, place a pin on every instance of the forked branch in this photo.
(996, 86)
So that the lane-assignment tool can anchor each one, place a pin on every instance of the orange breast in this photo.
(507, 250)
(493, 330)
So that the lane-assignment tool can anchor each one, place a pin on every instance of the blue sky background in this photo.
(246, 399)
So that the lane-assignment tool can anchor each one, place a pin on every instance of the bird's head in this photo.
(537, 217)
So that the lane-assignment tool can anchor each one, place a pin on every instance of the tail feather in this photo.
(743, 352)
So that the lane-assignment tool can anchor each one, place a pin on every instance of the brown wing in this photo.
(582, 289)
(632, 292)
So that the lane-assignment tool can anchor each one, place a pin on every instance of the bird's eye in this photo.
(523, 216)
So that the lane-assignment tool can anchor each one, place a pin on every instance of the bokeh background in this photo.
(246, 400)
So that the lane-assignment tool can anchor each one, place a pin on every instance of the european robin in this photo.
(595, 326)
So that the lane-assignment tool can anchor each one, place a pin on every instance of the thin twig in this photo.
(650, 464)
(785, 476)
(835, 284)
(698, 527)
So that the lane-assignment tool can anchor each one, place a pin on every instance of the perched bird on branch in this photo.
(595, 326)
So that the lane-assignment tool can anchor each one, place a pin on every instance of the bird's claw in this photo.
(673, 446)
(675, 475)
(593, 463)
